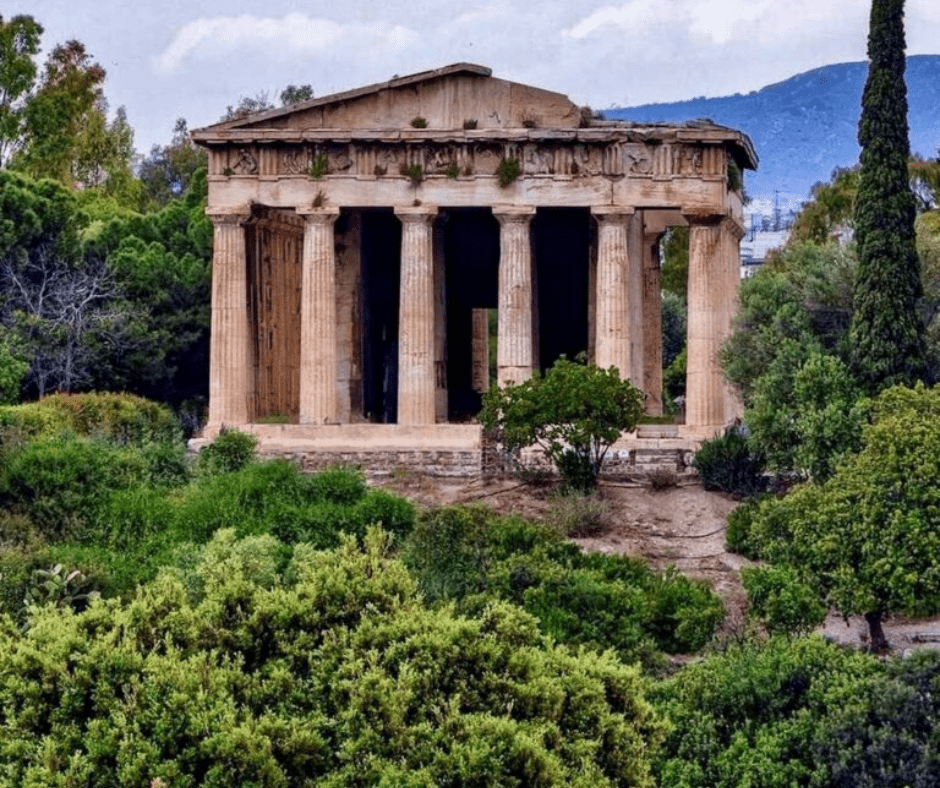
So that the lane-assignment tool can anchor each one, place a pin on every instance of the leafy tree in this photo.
(248, 105)
(293, 94)
(574, 414)
(19, 44)
(675, 266)
(832, 206)
(869, 538)
(887, 333)
(169, 171)
(55, 116)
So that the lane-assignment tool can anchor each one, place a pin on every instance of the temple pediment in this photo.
(459, 96)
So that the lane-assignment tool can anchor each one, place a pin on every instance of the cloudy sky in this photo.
(191, 58)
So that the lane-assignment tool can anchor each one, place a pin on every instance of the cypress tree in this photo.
(887, 334)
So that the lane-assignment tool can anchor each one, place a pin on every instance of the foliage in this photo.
(123, 418)
(578, 515)
(729, 464)
(419, 122)
(340, 678)
(831, 207)
(19, 44)
(673, 326)
(57, 113)
(574, 413)
(293, 94)
(674, 276)
(887, 334)
(764, 714)
(508, 170)
(60, 588)
(318, 167)
(170, 170)
(780, 601)
(230, 451)
(470, 555)
(868, 538)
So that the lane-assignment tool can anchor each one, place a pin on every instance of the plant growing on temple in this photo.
(414, 172)
(574, 414)
(318, 166)
(887, 333)
(509, 169)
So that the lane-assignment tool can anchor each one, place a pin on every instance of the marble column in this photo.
(713, 280)
(416, 320)
(652, 326)
(229, 351)
(318, 319)
(515, 344)
(612, 334)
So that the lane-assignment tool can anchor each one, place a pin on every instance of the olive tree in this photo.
(574, 414)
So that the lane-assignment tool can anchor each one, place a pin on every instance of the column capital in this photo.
(703, 218)
(513, 214)
(415, 214)
(229, 214)
(318, 215)
(612, 213)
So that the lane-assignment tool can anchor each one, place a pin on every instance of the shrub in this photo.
(578, 515)
(230, 451)
(61, 485)
(574, 414)
(343, 678)
(338, 484)
(739, 536)
(122, 418)
(728, 464)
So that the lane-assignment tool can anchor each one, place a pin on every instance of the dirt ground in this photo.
(682, 526)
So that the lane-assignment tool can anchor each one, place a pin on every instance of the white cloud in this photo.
(295, 33)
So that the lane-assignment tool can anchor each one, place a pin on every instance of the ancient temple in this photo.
(370, 246)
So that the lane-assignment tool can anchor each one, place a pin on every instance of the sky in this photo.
(168, 59)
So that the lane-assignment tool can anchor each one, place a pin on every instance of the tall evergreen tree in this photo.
(887, 334)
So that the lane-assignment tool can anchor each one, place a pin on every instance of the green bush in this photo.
(122, 418)
(341, 678)
(727, 463)
(470, 555)
(342, 485)
(739, 537)
(61, 485)
(229, 452)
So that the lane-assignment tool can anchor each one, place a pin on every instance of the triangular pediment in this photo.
(459, 96)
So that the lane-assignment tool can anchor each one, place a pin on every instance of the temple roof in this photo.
(462, 101)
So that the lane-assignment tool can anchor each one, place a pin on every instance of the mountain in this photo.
(806, 126)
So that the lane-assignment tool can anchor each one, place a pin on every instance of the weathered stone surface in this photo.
(377, 331)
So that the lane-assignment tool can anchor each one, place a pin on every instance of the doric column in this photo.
(229, 357)
(652, 326)
(515, 343)
(713, 279)
(612, 335)
(416, 379)
(318, 319)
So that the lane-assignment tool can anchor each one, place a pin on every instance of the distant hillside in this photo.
(806, 126)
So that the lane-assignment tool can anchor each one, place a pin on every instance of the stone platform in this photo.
(451, 450)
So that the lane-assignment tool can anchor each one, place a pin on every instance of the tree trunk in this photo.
(877, 640)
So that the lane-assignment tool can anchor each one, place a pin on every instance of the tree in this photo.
(887, 334)
(56, 114)
(574, 414)
(292, 94)
(169, 170)
(19, 44)
(869, 538)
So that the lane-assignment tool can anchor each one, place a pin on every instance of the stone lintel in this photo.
(612, 213)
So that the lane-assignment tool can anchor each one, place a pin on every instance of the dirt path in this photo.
(682, 526)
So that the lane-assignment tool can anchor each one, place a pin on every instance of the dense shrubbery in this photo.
(801, 713)
(729, 463)
(470, 555)
(332, 674)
